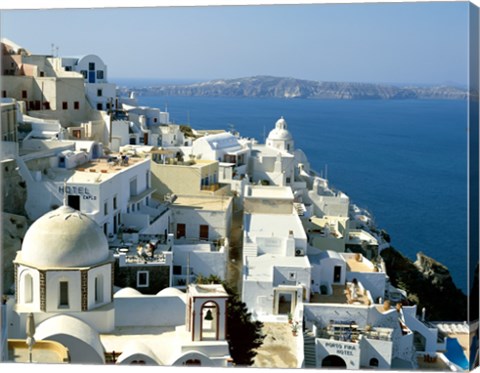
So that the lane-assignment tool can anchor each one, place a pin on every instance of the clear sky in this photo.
(379, 43)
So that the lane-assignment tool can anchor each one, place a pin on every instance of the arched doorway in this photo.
(334, 361)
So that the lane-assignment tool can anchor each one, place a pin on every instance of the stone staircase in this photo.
(309, 349)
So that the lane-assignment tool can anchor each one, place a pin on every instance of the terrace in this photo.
(340, 294)
(109, 165)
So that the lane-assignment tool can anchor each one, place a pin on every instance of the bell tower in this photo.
(207, 312)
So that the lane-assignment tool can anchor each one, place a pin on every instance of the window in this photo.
(84, 73)
(28, 290)
(177, 270)
(292, 276)
(155, 120)
(24, 94)
(142, 279)
(65, 105)
(63, 301)
(133, 187)
(288, 180)
(99, 106)
(99, 92)
(99, 74)
(108, 106)
(115, 202)
(98, 289)
(46, 105)
(77, 134)
(42, 74)
(76, 105)
(4, 94)
(105, 208)
(105, 229)
(68, 68)
(204, 232)
(91, 66)
(374, 362)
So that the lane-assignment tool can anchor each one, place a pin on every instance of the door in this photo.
(181, 230)
(74, 202)
(91, 76)
(337, 274)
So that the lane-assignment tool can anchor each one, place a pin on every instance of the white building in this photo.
(274, 163)
(113, 193)
(100, 94)
(357, 337)
(224, 148)
(201, 218)
(276, 272)
(64, 277)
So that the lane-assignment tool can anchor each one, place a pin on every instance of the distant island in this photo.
(278, 87)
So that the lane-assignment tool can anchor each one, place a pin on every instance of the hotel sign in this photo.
(342, 349)
(77, 190)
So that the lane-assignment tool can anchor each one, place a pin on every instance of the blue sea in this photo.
(405, 161)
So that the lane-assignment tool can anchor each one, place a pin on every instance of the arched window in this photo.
(99, 289)
(28, 288)
(63, 292)
(373, 362)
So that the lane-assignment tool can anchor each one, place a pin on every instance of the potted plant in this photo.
(290, 317)
(295, 327)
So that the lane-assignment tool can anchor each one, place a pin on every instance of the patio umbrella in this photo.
(30, 334)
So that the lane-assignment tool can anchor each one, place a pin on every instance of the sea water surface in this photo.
(403, 160)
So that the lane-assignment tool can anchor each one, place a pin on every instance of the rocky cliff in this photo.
(428, 284)
(276, 87)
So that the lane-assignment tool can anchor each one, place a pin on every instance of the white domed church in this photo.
(280, 138)
(64, 276)
(64, 265)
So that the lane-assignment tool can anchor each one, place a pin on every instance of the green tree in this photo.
(244, 335)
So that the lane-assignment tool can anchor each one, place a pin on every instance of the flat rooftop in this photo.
(220, 203)
(269, 192)
(274, 225)
(340, 296)
(111, 165)
(353, 265)
(261, 267)
(358, 236)
(95, 171)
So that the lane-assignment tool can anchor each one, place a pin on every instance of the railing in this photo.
(347, 333)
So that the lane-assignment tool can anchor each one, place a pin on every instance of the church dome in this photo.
(64, 238)
(280, 132)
